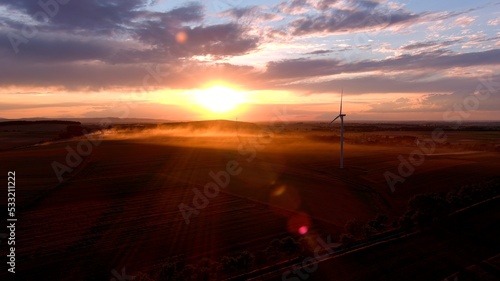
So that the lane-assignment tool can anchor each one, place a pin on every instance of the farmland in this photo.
(117, 206)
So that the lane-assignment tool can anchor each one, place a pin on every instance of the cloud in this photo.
(464, 21)
(238, 13)
(302, 68)
(344, 16)
(252, 13)
(220, 40)
(294, 7)
(56, 49)
(319, 52)
(382, 84)
(124, 32)
(96, 45)
(494, 22)
(349, 16)
(100, 76)
(99, 45)
(325, 4)
(398, 105)
(11, 106)
(429, 44)
(438, 103)
(92, 16)
(436, 60)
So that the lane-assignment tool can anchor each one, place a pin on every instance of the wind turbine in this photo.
(341, 116)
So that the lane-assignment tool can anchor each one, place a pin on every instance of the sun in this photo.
(219, 98)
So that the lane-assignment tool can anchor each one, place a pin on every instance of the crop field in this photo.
(118, 205)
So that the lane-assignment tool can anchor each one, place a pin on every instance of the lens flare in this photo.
(287, 198)
(299, 224)
(181, 37)
(278, 191)
(303, 230)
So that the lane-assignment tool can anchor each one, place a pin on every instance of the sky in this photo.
(248, 60)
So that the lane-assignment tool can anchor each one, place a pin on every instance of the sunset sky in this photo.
(213, 59)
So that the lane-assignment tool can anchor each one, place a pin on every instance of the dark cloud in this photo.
(252, 13)
(238, 13)
(438, 103)
(104, 17)
(437, 60)
(366, 3)
(60, 49)
(193, 12)
(96, 45)
(132, 77)
(302, 68)
(319, 52)
(220, 40)
(101, 75)
(428, 44)
(381, 84)
(106, 31)
(292, 7)
(97, 16)
(348, 20)
(335, 16)
(326, 4)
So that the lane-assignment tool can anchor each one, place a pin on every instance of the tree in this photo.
(428, 208)
(355, 228)
(347, 240)
(380, 222)
(228, 264)
(240, 262)
(244, 260)
(188, 273)
(285, 247)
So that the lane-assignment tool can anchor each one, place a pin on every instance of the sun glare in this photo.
(219, 98)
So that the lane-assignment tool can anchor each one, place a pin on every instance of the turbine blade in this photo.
(341, 95)
(334, 120)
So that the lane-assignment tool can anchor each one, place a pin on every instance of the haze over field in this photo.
(135, 196)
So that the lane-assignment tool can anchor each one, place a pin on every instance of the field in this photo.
(13, 136)
(464, 248)
(113, 202)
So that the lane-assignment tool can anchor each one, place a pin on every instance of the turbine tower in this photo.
(341, 116)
